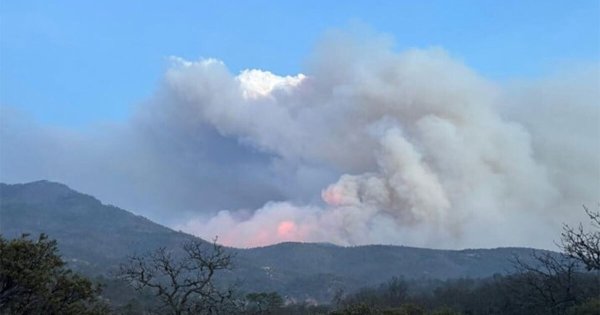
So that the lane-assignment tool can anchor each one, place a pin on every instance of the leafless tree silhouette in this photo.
(185, 283)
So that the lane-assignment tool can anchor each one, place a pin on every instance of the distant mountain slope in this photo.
(298, 268)
(95, 238)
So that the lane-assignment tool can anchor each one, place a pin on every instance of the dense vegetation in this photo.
(520, 293)
(34, 280)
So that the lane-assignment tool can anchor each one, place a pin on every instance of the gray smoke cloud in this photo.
(369, 145)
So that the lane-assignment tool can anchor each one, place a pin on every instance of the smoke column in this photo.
(369, 145)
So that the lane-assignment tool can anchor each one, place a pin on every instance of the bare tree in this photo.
(551, 282)
(581, 244)
(185, 282)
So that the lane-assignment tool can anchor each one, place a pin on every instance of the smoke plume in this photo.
(369, 145)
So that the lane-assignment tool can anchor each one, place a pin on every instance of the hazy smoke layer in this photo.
(403, 148)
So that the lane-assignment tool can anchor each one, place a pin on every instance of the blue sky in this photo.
(71, 63)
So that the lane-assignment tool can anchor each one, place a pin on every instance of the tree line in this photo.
(35, 280)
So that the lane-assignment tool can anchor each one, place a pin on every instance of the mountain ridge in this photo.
(95, 238)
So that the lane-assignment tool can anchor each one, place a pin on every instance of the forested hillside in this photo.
(95, 238)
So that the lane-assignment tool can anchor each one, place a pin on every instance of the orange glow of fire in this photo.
(286, 229)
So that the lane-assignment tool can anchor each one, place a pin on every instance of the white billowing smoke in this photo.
(405, 148)
(426, 156)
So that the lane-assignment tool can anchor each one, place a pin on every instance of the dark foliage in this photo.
(34, 280)
(262, 303)
(555, 285)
